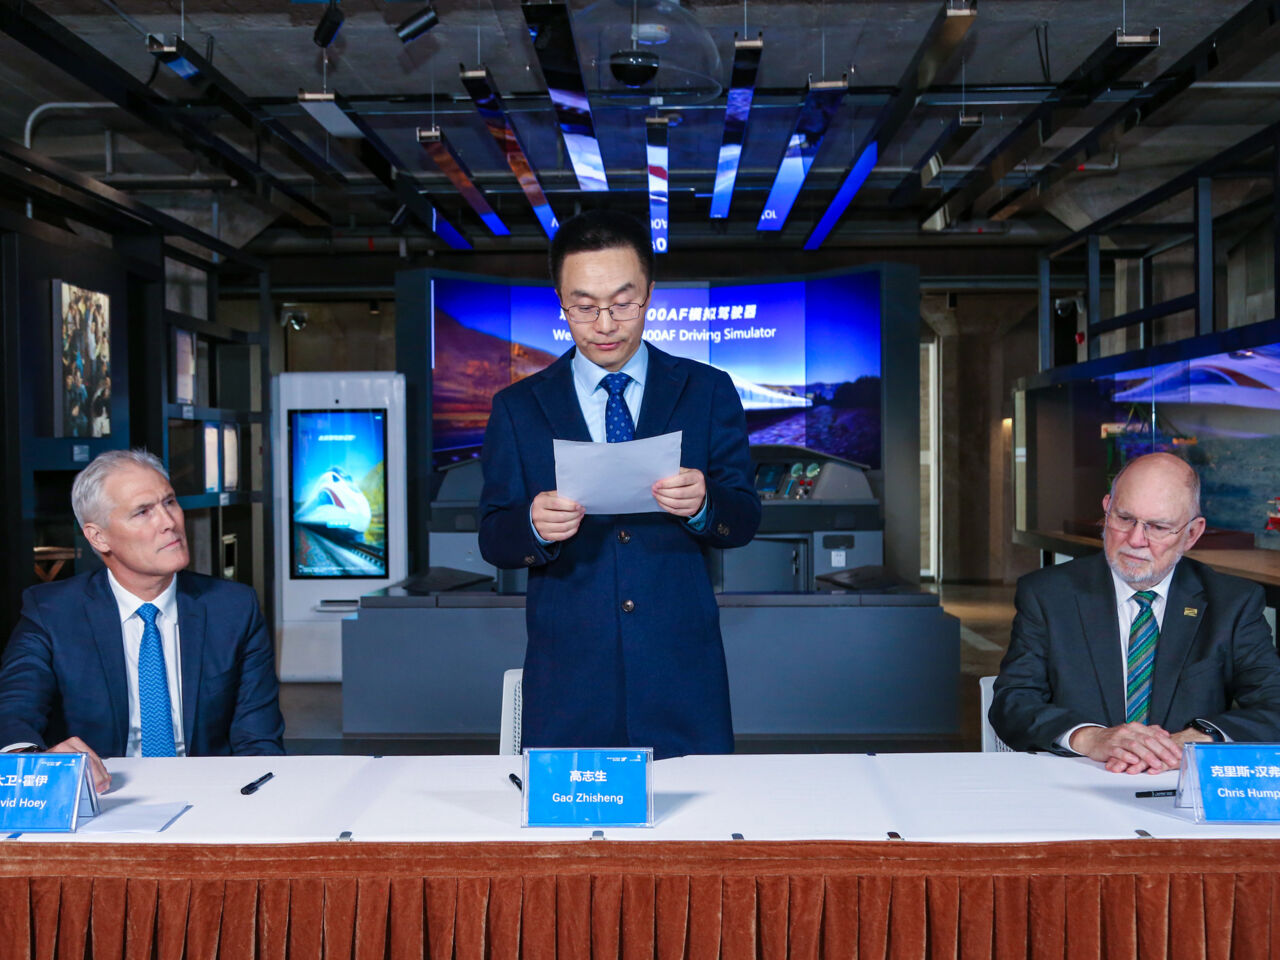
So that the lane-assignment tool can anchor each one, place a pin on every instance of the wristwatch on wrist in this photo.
(1208, 729)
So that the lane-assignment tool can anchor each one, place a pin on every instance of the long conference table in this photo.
(773, 856)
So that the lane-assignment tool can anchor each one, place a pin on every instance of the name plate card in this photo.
(588, 788)
(1231, 782)
(45, 792)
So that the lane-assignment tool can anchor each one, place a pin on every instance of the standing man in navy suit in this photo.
(624, 641)
(142, 658)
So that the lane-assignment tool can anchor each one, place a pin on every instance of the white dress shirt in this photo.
(1127, 610)
(131, 627)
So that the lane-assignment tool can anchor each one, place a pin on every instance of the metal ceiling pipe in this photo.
(38, 114)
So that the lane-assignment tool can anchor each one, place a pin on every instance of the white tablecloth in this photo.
(960, 797)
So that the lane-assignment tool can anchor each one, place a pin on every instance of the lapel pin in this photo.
(1189, 611)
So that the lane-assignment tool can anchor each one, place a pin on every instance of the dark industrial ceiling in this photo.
(170, 142)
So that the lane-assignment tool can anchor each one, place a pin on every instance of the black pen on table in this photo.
(516, 780)
(1149, 794)
(249, 788)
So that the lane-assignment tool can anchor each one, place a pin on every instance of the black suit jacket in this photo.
(1215, 659)
(63, 672)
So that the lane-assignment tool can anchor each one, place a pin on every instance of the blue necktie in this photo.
(618, 425)
(153, 689)
(1143, 635)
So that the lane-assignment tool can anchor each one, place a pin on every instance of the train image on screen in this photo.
(1234, 394)
(338, 512)
(335, 503)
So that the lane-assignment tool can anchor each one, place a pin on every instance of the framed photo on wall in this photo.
(184, 366)
(230, 456)
(212, 460)
(81, 361)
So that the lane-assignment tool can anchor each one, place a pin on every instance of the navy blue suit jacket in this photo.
(1215, 659)
(623, 629)
(63, 672)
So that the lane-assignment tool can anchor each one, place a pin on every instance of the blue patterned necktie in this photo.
(1143, 635)
(153, 689)
(618, 425)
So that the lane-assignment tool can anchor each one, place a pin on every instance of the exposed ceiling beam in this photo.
(1256, 27)
(954, 136)
(209, 82)
(376, 155)
(47, 38)
(944, 35)
(99, 196)
(1267, 139)
(1113, 58)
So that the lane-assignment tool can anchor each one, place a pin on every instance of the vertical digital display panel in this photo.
(552, 35)
(816, 113)
(338, 494)
(746, 62)
(656, 129)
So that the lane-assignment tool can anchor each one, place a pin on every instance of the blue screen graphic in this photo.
(804, 355)
(338, 493)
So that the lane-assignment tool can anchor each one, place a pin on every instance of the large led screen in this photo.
(338, 492)
(1221, 413)
(804, 355)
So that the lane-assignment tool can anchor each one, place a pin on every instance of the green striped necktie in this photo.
(1142, 656)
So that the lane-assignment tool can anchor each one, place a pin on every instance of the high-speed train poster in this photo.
(338, 492)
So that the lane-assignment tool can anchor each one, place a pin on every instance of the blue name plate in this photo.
(44, 792)
(1231, 782)
(593, 788)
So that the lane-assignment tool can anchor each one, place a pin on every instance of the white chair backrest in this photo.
(509, 731)
(990, 742)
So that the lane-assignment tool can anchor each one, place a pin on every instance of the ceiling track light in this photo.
(329, 25)
(419, 23)
(169, 55)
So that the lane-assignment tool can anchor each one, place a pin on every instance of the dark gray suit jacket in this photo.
(1215, 659)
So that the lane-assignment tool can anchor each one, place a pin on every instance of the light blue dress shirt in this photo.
(593, 397)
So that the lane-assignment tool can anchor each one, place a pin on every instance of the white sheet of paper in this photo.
(129, 816)
(616, 477)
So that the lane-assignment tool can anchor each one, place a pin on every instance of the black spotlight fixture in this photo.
(329, 25)
(418, 24)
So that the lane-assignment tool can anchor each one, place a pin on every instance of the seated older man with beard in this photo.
(1126, 656)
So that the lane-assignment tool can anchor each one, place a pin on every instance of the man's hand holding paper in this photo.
(555, 517)
(683, 494)
(627, 477)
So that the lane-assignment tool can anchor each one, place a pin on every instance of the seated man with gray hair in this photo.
(1126, 656)
(143, 658)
